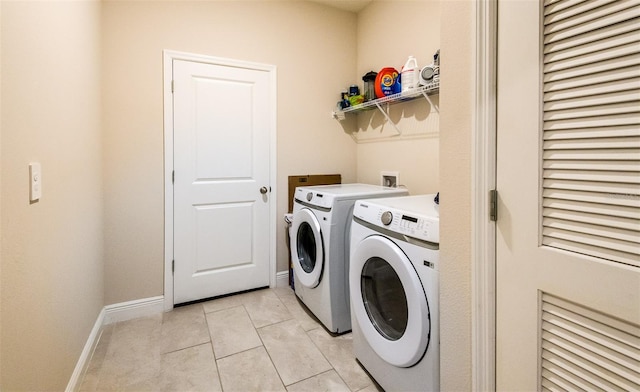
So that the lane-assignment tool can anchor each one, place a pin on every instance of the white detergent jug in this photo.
(410, 72)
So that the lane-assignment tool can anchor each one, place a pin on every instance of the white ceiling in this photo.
(347, 5)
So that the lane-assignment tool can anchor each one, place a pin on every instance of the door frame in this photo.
(483, 177)
(168, 57)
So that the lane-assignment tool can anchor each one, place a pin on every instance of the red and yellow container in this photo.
(387, 82)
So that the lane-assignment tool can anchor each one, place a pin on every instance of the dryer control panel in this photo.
(423, 224)
(314, 197)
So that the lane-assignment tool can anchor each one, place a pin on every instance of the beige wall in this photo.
(388, 32)
(457, 99)
(314, 49)
(51, 251)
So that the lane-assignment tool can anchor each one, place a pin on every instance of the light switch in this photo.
(35, 175)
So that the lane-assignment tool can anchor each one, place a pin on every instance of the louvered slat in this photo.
(593, 175)
(575, 372)
(582, 349)
(622, 247)
(596, 154)
(591, 36)
(592, 219)
(568, 351)
(559, 5)
(594, 143)
(591, 128)
(590, 250)
(593, 208)
(625, 10)
(589, 122)
(594, 81)
(579, 12)
(555, 382)
(591, 197)
(591, 133)
(592, 165)
(595, 57)
(586, 97)
(579, 110)
(606, 331)
(631, 242)
(594, 68)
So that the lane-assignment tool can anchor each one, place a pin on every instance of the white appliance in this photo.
(320, 247)
(394, 291)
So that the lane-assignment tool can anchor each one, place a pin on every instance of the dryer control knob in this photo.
(309, 196)
(386, 218)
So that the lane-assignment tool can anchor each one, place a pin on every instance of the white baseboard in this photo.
(133, 309)
(87, 353)
(108, 315)
(282, 279)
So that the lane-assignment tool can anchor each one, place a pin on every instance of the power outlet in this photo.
(35, 182)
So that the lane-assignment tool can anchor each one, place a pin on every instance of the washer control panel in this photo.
(410, 225)
(404, 222)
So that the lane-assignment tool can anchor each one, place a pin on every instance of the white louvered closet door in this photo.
(568, 177)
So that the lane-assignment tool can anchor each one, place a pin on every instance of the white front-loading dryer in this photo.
(320, 247)
(394, 291)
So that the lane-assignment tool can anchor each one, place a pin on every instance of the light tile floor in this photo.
(258, 341)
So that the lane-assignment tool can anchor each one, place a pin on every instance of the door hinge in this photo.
(172, 86)
(493, 205)
(173, 177)
(173, 266)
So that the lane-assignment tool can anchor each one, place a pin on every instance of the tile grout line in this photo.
(319, 350)
(300, 326)
(213, 352)
(269, 355)
(325, 357)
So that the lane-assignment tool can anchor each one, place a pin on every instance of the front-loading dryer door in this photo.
(389, 302)
(307, 248)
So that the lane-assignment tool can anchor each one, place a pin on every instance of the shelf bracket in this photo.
(384, 113)
(430, 102)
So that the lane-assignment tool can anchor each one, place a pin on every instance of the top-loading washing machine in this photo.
(394, 291)
(320, 247)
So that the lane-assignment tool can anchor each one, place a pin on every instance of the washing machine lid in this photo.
(307, 248)
(388, 302)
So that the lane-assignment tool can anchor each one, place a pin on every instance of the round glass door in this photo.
(307, 248)
(384, 298)
(306, 245)
(388, 301)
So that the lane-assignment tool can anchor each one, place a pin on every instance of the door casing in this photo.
(168, 57)
(483, 177)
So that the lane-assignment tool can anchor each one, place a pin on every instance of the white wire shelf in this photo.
(424, 91)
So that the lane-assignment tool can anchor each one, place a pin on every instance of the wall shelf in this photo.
(422, 91)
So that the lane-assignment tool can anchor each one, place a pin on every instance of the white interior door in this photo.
(568, 229)
(222, 119)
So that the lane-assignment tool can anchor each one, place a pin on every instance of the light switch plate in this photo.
(35, 182)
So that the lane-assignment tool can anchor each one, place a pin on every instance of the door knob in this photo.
(263, 190)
